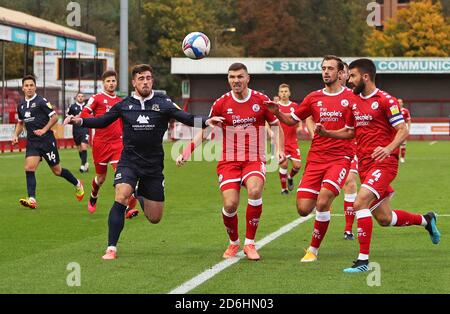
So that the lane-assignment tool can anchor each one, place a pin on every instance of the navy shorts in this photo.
(150, 186)
(81, 136)
(45, 148)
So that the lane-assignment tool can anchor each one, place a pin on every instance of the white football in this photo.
(196, 45)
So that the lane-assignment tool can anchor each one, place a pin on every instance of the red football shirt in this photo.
(97, 106)
(374, 118)
(406, 114)
(332, 111)
(290, 131)
(243, 130)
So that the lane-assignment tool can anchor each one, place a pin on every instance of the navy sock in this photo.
(66, 174)
(83, 156)
(116, 222)
(31, 183)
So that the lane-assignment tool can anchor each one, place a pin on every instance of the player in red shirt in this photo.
(328, 161)
(290, 141)
(407, 116)
(107, 143)
(243, 155)
(380, 129)
(350, 187)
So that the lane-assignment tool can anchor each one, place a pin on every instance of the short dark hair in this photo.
(141, 68)
(339, 61)
(109, 73)
(365, 66)
(345, 65)
(29, 77)
(237, 66)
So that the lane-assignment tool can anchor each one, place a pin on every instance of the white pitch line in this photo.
(207, 274)
(433, 142)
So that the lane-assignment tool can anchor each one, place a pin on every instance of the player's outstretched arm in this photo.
(343, 134)
(96, 123)
(196, 141)
(283, 117)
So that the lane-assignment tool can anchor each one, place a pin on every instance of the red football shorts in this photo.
(233, 174)
(104, 153)
(330, 175)
(292, 152)
(377, 176)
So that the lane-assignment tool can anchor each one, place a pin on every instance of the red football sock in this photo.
(283, 178)
(400, 218)
(320, 228)
(231, 224)
(403, 152)
(294, 171)
(95, 187)
(132, 202)
(349, 199)
(365, 226)
(254, 210)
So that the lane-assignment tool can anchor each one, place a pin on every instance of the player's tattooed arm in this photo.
(283, 117)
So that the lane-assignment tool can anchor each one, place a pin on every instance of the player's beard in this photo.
(358, 89)
(145, 92)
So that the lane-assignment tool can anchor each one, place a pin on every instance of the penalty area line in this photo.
(211, 272)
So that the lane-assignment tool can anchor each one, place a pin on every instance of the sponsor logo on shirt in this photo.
(362, 119)
(143, 119)
(329, 116)
(230, 111)
(243, 122)
(319, 103)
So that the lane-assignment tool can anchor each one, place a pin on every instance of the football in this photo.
(196, 45)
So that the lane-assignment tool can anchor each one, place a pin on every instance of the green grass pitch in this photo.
(37, 245)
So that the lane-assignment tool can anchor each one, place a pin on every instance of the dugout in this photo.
(423, 83)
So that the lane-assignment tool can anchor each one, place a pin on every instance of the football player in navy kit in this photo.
(37, 115)
(80, 134)
(145, 117)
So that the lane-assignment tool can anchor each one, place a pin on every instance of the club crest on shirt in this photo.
(155, 107)
(256, 107)
(344, 103)
(374, 105)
